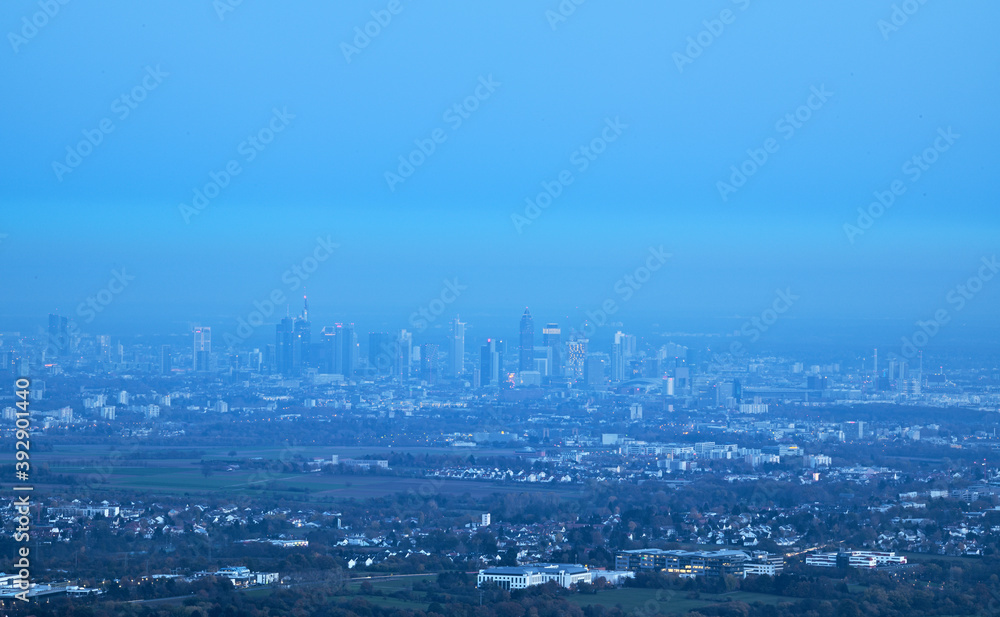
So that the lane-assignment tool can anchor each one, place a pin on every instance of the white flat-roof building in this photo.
(881, 558)
(522, 577)
(822, 560)
(856, 559)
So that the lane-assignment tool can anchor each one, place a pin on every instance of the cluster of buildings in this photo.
(13, 587)
(241, 576)
(700, 563)
(686, 564)
(855, 559)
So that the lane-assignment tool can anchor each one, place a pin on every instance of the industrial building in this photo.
(522, 577)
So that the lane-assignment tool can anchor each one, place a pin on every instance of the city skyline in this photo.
(559, 309)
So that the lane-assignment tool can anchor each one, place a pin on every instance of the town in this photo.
(524, 465)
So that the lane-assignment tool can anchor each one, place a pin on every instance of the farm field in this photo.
(179, 470)
(666, 601)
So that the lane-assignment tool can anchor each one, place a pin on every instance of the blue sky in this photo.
(218, 81)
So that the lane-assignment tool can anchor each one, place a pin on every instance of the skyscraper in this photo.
(202, 351)
(543, 361)
(166, 366)
(284, 346)
(490, 363)
(551, 335)
(594, 374)
(622, 350)
(104, 347)
(381, 353)
(618, 358)
(58, 343)
(576, 357)
(404, 353)
(301, 341)
(327, 362)
(348, 346)
(526, 358)
(428, 362)
(456, 354)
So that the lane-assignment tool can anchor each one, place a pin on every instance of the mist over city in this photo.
(570, 308)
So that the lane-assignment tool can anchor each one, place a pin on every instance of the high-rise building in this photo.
(404, 354)
(854, 430)
(104, 347)
(348, 346)
(58, 343)
(166, 365)
(327, 351)
(271, 358)
(338, 350)
(595, 372)
(490, 364)
(302, 339)
(9, 362)
(293, 343)
(284, 345)
(428, 362)
(456, 354)
(301, 342)
(551, 335)
(576, 357)
(619, 357)
(381, 353)
(543, 361)
(202, 351)
(526, 360)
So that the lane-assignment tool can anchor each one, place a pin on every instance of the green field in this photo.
(186, 477)
(391, 585)
(925, 557)
(650, 600)
(665, 601)
(97, 468)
